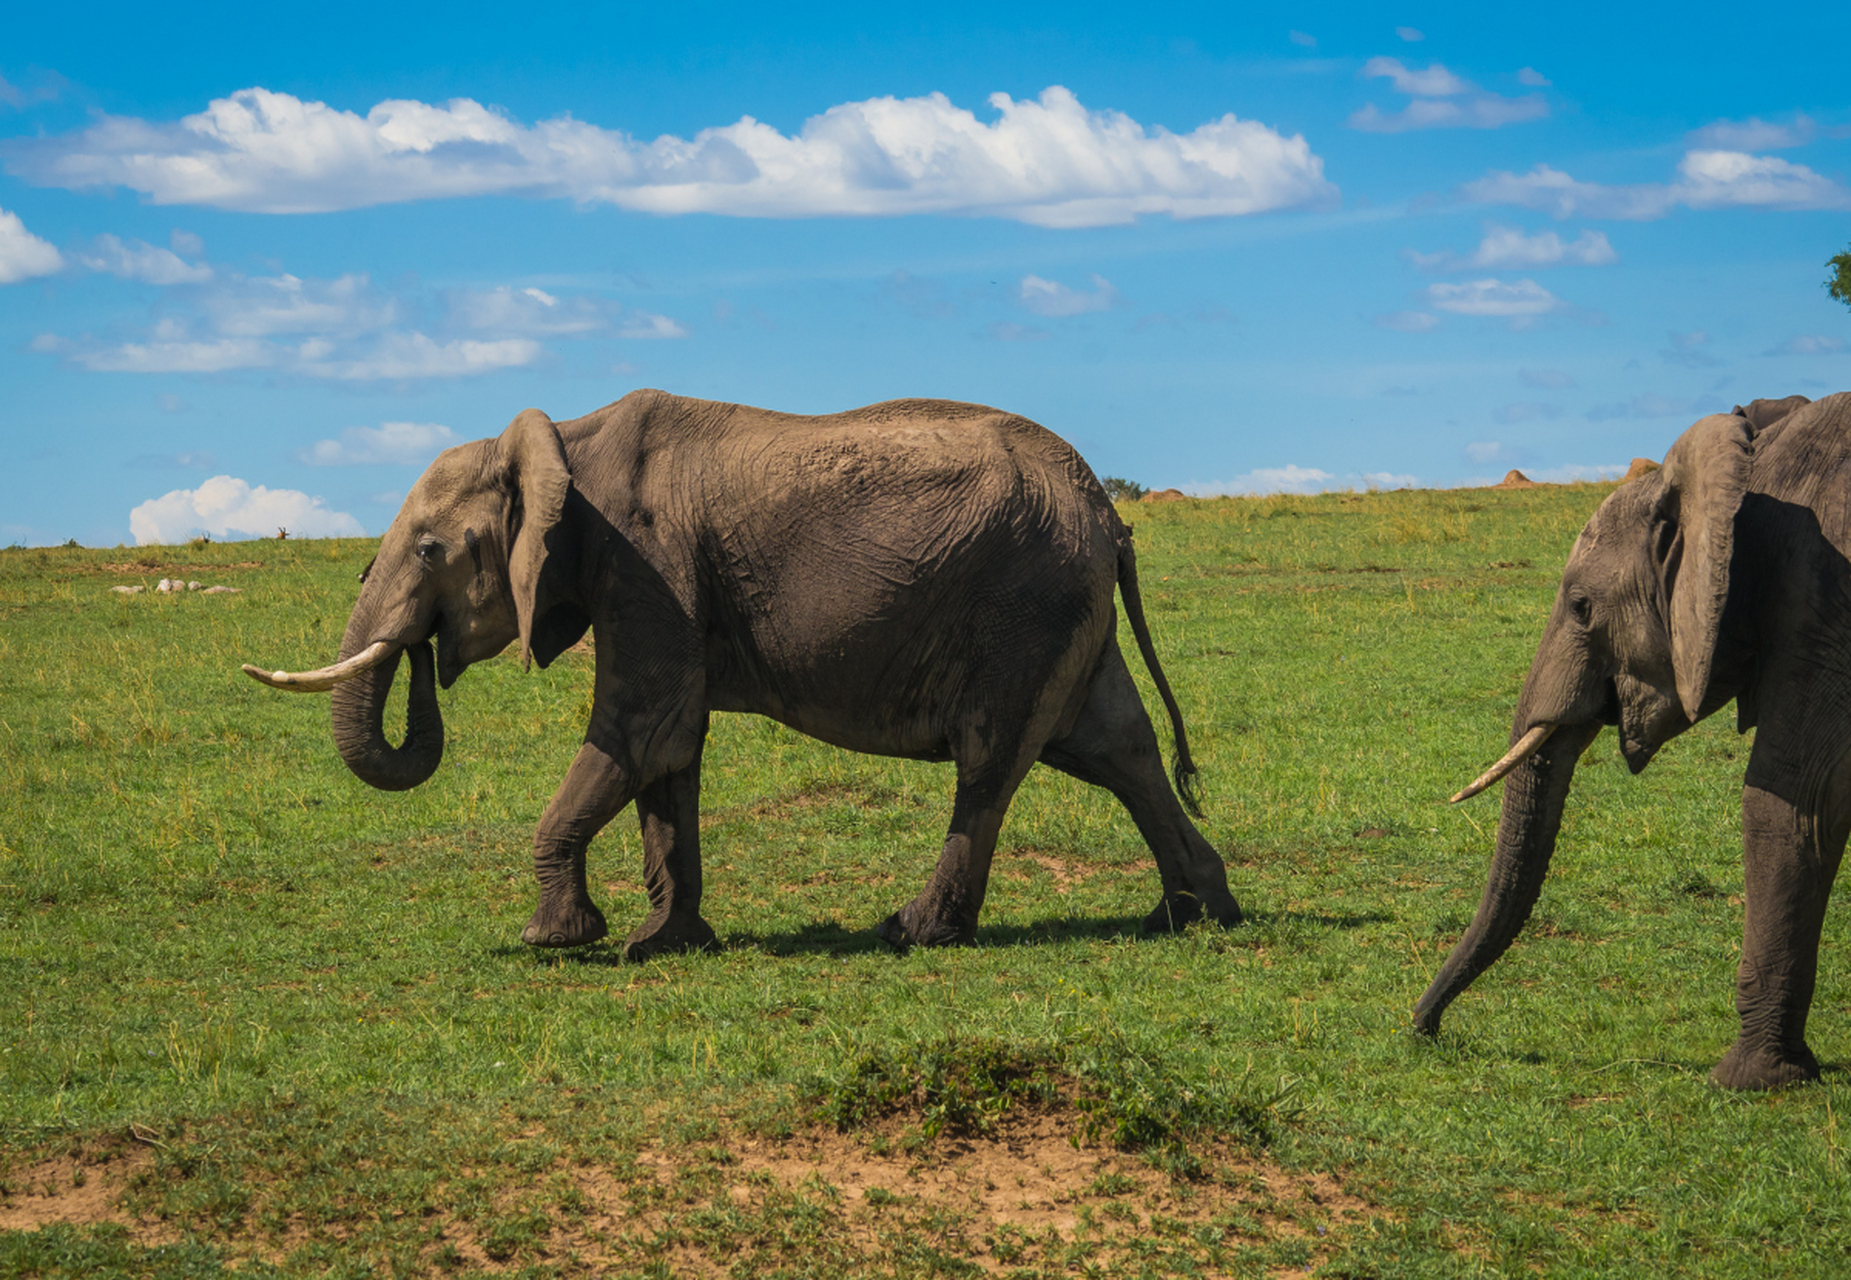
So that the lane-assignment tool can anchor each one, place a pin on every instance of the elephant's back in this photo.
(1805, 459)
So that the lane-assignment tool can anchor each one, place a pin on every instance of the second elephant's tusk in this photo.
(325, 679)
(1526, 747)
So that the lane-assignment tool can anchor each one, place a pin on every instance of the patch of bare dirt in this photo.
(1023, 1193)
(1165, 495)
(1639, 467)
(1515, 479)
(1024, 1182)
(81, 1189)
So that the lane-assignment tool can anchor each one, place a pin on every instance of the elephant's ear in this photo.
(1704, 479)
(534, 462)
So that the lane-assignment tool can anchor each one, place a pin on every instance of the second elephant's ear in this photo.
(534, 464)
(1704, 478)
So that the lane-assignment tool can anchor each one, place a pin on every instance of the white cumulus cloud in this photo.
(224, 506)
(410, 443)
(1441, 100)
(1049, 161)
(1707, 180)
(1510, 247)
(1051, 298)
(22, 254)
(139, 260)
(1493, 297)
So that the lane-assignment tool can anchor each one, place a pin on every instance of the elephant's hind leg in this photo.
(945, 912)
(669, 810)
(1113, 745)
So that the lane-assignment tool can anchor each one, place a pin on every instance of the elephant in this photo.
(919, 578)
(1721, 576)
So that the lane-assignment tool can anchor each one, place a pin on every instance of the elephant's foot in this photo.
(1761, 1066)
(1176, 911)
(667, 933)
(572, 925)
(915, 925)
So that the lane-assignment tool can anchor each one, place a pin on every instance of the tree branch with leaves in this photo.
(1838, 284)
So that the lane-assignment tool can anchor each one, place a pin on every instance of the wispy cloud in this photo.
(139, 260)
(341, 329)
(1296, 479)
(22, 254)
(1754, 134)
(1808, 344)
(1051, 298)
(528, 311)
(1526, 411)
(1407, 321)
(1646, 405)
(1510, 247)
(1049, 161)
(401, 443)
(226, 505)
(1687, 349)
(1707, 180)
(1546, 379)
(1441, 100)
(1517, 299)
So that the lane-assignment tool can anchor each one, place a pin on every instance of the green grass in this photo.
(300, 1012)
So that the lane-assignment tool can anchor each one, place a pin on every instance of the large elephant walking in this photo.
(918, 578)
(1721, 576)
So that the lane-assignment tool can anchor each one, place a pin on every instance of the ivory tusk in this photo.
(325, 679)
(1526, 747)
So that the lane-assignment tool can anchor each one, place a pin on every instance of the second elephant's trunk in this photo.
(359, 707)
(1534, 796)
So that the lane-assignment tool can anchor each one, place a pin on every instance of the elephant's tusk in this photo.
(1526, 747)
(325, 679)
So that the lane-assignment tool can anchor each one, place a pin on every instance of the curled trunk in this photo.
(359, 706)
(1534, 795)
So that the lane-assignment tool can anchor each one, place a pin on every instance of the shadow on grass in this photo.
(828, 937)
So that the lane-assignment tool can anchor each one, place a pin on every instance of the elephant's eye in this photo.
(430, 551)
(1582, 608)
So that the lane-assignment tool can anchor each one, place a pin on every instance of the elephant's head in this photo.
(1636, 639)
(467, 562)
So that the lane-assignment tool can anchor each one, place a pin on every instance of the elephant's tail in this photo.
(1184, 771)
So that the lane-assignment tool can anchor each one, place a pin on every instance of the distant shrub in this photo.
(1119, 489)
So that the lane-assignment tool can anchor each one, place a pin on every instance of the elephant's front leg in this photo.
(669, 809)
(595, 790)
(1789, 864)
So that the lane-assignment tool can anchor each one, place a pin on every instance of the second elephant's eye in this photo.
(1582, 608)
(430, 550)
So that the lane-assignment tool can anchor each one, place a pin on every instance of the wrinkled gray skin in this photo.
(1721, 576)
(919, 579)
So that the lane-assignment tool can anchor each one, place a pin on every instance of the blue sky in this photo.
(255, 270)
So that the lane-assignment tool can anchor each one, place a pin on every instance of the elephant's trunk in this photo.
(359, 706)
(1534, 795)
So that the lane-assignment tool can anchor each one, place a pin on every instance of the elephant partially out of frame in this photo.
(1722, 576)
(919, 578)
